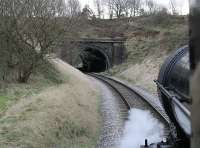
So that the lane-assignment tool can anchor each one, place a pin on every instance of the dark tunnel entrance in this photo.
(93, 60)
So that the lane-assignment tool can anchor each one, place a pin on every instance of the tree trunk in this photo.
(24, 77)
(25, 73)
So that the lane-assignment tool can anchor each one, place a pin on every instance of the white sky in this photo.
(182, 5)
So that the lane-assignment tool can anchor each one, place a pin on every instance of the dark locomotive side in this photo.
(173, 91)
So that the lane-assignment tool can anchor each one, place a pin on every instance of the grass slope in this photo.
(64, 115)
(150, 39)
(11, 92)
(3, 102)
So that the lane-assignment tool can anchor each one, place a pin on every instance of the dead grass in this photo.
(143, 74)
(63, 116)
(149, 41)
(13, 92)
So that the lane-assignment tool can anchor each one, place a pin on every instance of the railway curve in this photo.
(135, 97)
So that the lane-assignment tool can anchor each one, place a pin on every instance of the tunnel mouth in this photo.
(93, 60)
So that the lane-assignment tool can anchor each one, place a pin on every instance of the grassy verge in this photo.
(53, 114)
(11, 92)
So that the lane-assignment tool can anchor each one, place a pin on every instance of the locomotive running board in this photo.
(179, 108)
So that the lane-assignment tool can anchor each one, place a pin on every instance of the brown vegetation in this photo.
(148, 44)
(61, 116)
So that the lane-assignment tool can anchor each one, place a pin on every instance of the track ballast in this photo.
(135, 98)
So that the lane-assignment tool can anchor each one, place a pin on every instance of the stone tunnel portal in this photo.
(93, 60)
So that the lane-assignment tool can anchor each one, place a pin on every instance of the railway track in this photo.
(134, 98)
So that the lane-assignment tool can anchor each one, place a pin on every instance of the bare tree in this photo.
(118, 7)
(30, 29)
(121, 8)
(110, 8)
(73, 8)
(134, 7)
(99, 7)
(150, 5)
(176, 6)
(87, 12)
(173, 6)
(126, 7)
(115, 7)
(153, 7)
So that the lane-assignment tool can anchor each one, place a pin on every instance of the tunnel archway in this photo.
(94, 60)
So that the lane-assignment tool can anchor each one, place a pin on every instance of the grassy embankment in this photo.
(148, 47)
(150, 39)
(58, 108)
(11, 91)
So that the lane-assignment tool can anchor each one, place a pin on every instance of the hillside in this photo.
(148, 47)
(55, 116)
(150, 39)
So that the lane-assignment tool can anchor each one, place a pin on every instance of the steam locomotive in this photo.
(173, 91)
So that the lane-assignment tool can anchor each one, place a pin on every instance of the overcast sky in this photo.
(182, 5)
